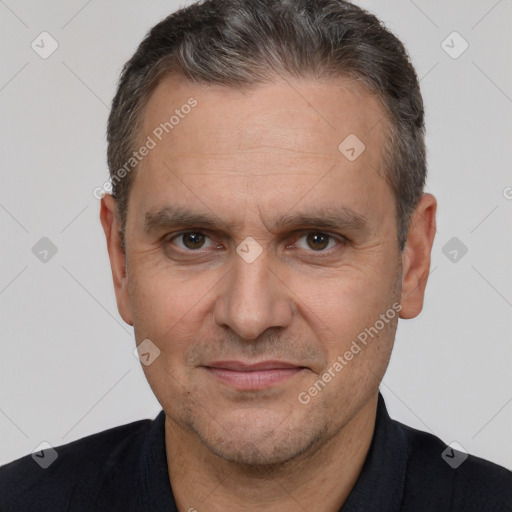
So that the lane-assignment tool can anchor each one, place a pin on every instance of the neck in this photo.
(319, 480)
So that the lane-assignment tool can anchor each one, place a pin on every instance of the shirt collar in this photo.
(380, 485)
(154, 488)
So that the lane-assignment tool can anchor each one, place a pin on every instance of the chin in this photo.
(258, 444)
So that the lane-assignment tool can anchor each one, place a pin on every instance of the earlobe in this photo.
(416, 256)
(110, 222)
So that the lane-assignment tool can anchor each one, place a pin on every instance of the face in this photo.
(258, 250)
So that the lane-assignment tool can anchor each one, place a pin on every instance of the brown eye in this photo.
(193, 240)
(318, 241)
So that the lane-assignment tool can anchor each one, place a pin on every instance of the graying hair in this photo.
(241, 43)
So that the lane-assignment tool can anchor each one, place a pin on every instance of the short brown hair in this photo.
(239, 43)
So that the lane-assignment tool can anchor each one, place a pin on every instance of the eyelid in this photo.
(340, 239)
(308, 231)
(297, 235)
(170, 237)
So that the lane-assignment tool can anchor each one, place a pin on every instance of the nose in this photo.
(252, 299)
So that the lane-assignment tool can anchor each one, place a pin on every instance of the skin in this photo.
(248, 158)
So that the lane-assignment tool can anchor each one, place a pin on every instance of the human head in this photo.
(241, 43)
(258, 162)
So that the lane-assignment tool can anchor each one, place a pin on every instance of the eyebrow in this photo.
(324, 218)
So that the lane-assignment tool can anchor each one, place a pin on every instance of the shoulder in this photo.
(451, 479)
(79, 470)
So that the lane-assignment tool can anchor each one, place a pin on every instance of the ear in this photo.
(416, 256)
(111, 226)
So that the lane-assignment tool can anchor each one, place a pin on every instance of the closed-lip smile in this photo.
(252, 376)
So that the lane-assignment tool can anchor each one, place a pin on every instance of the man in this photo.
(266, 230)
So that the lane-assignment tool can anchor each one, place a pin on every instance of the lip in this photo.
(253, 376)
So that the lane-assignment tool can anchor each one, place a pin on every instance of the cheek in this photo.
(170, 311)
(341, 307)
(168, 304)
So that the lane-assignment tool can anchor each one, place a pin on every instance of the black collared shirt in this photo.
(125, 469)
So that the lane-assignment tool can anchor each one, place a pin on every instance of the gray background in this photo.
(67, 367)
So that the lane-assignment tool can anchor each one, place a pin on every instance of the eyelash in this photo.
(338, 238)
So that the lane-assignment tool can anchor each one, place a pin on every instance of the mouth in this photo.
(249, 377)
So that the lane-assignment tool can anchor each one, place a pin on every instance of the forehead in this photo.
(283, 138)
(290, 115)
